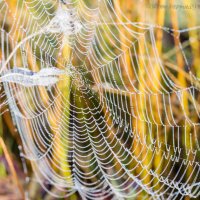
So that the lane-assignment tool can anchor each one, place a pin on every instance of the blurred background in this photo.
(173, 14)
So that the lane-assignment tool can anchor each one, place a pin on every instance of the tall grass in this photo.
(9, 138)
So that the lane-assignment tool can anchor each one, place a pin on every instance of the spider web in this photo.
(93, 115)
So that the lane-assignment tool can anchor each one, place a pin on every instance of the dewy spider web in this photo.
(86, 123)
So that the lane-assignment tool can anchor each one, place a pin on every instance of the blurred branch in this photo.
(11, 166)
